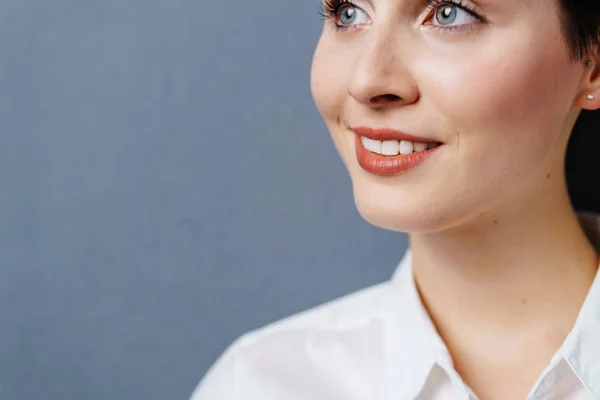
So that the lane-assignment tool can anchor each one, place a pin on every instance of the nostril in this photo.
(384, 99)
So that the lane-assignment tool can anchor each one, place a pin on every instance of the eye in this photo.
(449, 14)
(349, 15)
(452, 14)
(344, 14)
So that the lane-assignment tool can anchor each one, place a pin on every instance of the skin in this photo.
(493, 233)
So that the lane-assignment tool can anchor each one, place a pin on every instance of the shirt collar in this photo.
(409, 336)
(582, 347)
(413, 342)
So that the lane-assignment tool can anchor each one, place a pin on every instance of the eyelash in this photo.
(435, 4)
(330, 9)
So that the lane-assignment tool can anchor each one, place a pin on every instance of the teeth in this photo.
(390, 148)
(420, 147)
(406, 147)
(371, 145)
(395, 147)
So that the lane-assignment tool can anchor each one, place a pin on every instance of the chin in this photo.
(398, 212)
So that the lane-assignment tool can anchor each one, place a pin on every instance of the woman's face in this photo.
(492, 80)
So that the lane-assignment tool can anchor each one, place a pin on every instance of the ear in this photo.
(589, 96)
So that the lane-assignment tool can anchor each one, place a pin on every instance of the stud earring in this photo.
(589, 63)
(590, 97)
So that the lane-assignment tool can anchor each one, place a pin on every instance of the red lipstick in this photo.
(390, 134)
(390, 165)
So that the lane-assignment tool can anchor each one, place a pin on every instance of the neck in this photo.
(507, 277)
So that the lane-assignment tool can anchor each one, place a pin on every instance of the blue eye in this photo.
(450, 14)
(446, 15)
(351, 15)
(344, 13)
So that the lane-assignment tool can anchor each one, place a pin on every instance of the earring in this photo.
(590, 97)
(589, 63)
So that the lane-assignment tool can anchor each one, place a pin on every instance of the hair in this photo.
(581, 26)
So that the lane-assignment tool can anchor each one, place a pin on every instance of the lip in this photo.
(390, 165)
(390, 134)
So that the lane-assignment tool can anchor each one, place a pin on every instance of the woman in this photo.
(453, 118)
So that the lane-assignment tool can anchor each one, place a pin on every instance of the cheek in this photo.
(505, 107)
(328, 79)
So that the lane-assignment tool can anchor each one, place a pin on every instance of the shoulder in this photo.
(286, 344)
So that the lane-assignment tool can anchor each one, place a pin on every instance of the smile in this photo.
(392, 157)
(395, 147)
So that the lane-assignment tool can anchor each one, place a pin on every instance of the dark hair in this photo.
(582, 163)
(581, 26)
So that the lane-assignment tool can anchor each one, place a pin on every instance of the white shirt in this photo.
(380, 344)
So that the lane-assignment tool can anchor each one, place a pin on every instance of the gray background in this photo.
(167, 184)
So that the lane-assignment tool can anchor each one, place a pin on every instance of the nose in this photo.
(381, 77)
